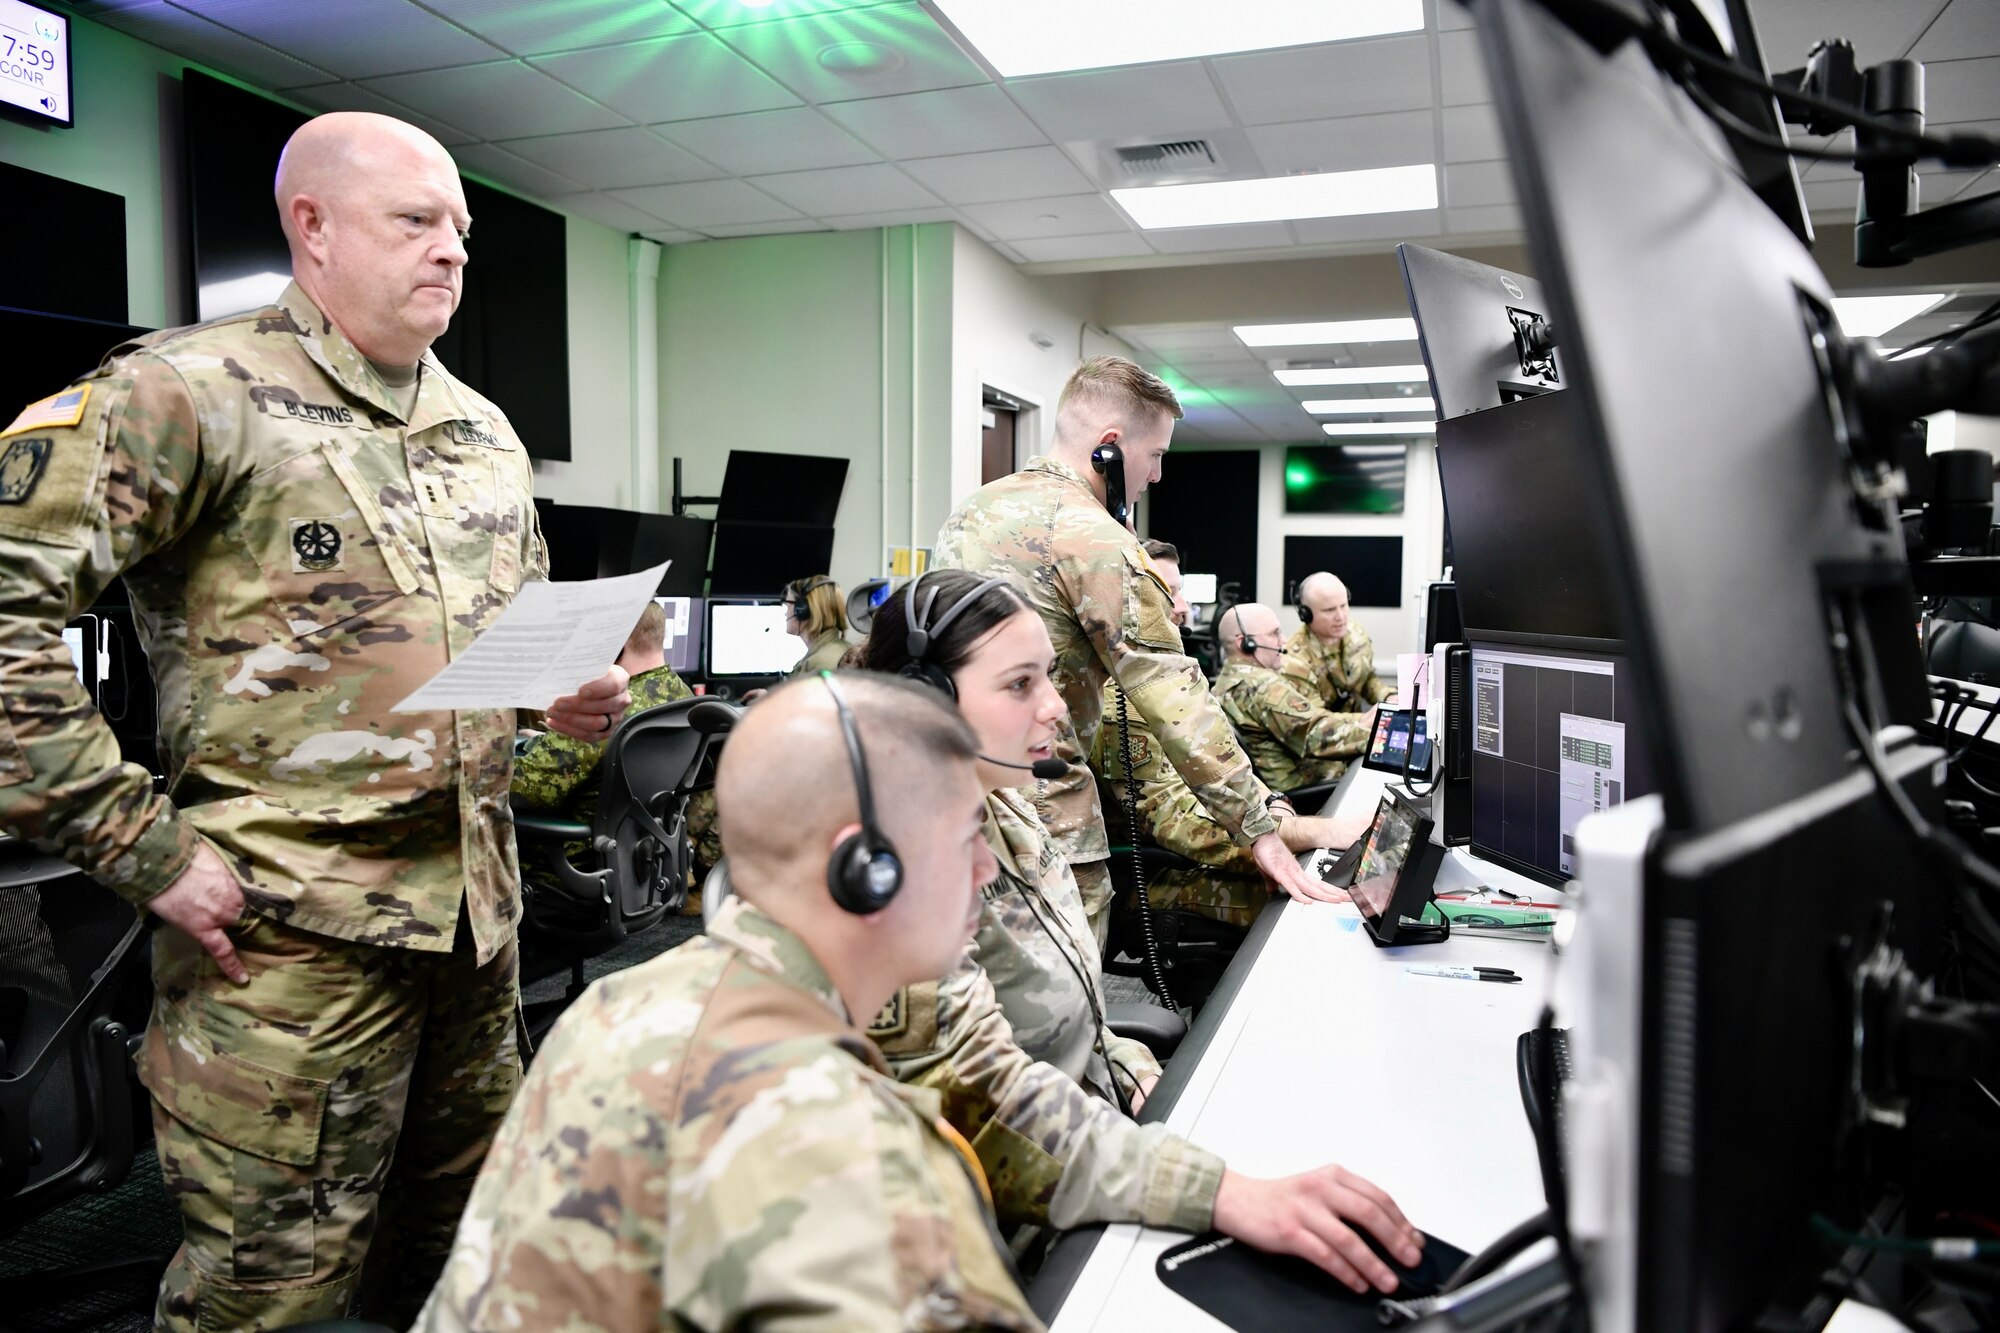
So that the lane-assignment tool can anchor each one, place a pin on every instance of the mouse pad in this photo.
(1256, 1292)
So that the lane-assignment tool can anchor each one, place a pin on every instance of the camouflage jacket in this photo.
(300, 556)
(1293, 740)
(560, 773)
(823, 654)
(1342, 674)
(705, 1141)
(1168, 810)
(1109, 617)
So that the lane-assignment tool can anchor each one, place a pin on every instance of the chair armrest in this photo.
(1308, 800)
(1159, 859)
(550, 826)
(1160, 1029)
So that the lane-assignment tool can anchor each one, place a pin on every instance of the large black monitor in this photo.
(1555, 737)
(65, 245)
(760, 487)
(753, 559)
(46, 352)
(1472, 322)
(1371, 567)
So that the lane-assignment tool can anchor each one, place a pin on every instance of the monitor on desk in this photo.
(1555, 737)
(683, 642)
(747, 637)
(1198, 589)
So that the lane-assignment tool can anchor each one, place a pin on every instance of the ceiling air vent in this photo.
(1154, 161)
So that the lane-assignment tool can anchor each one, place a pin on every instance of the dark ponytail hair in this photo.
(887, 645)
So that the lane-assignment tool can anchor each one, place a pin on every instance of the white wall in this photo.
(601, 439)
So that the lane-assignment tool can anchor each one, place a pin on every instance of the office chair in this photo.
(1194, 950)
(639, 854)
(73, 998)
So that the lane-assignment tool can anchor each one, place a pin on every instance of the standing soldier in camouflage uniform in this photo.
(1016, 1033)
(563, 775)
(312, 518)
(816, 611)
(1110, 617)
(708, 1140)
(1292, 740)
(1228, 887)
(1329, 652)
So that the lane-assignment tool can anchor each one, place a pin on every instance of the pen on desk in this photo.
(1462, 973)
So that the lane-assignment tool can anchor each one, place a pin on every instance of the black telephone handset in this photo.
(1108, 460)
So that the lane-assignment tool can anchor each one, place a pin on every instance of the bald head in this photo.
(1326, 597)
(375, 217)
(1256, 622)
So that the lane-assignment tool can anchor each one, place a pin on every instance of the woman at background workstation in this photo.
(816, 611)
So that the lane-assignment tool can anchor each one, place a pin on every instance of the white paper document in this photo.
(1592, 775)
(554, 638)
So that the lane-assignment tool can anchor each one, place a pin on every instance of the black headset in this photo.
(864, 872)
(1305, 614)
(798, 591)
(1108, 461)
(923, 631)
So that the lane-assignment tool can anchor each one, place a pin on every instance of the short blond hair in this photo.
(1115, 389)
(649, 636)
(820, 605)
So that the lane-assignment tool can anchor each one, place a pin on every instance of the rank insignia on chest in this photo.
(315, 545)
(21, 466)
(893, 1019)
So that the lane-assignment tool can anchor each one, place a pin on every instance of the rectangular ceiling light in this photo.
(1379, 427)
(1873, 316)
(1019, 37)
(1374, 452)
(1324, 194)
(1312, 379)
(1340, 331)
(1368, 407)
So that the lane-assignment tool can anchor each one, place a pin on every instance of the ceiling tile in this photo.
(1834, 194)
(1349, 143)
(758, 142)
(1469, 183)
(1169, 100)
(1966, 28)
(1011, 173)
(613, 213)
(874, 52)
(1480, 218)
(674, 237)
(737, 13)
(354, 97)
(355, 38)
(1461, 71)
(1057, 249)
(1008, 252)
(1879, 31)
(1370, 227)
(958, 120)
(668, 78)
(1068, 215)
(1963, 89)
(1175, 337)
(538, 27)
(516, 173)
(503, 100)
(1334, 79)
(211, 44)
(895, 217)
(607, 159)
(1191, 240)
(846, 190)
(1472, 133)
(703, 204)
(783, 227)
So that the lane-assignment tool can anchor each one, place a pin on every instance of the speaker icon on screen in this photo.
(49, 104)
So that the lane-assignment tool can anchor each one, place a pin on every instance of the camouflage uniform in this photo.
(1230, 888)
(823, 654)
(707, 1142)
(301, 554)
(563, 775)
(1109, 617)
(1342, 674)
(1293, 740)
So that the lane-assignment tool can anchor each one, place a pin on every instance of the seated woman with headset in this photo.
(976, 639)
(816, 611)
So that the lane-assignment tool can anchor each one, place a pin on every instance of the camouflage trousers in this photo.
(1216, 894)
(342, 1101)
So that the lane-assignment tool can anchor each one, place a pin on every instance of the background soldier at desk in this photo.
(312, 517)
(1291, 739)
(1109, 616)
(1330, 652)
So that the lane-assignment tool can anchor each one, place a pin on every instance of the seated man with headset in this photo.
(1293, 741)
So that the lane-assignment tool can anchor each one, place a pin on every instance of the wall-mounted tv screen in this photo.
(34, 62)
(1371, 567)
(1345, 478)
(66, 247)
(510, 337)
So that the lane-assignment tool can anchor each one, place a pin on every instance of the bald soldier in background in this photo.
(1329, 652)
(1293, 741)
(312, 517)
(1228, 887)
(709, 1141)
(1110, 617)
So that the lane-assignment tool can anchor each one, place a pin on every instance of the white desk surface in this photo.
(1331, 1052)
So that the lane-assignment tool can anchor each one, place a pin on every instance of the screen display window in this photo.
(1382, 859)
(1198, 588)
(749, 639)
(1389, 744)
(683, 640)
(34, 61)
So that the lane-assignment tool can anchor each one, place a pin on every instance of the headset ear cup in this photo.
(863, 875)
(1305, 614)
(931, 674)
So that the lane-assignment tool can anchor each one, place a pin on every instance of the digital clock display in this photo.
(34, 61)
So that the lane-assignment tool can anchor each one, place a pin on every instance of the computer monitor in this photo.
(1396, 873)
(747, 637)
(1554, 738)
(1198, 589)
(1474, 323)
(683, 645)
(1389, 743)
